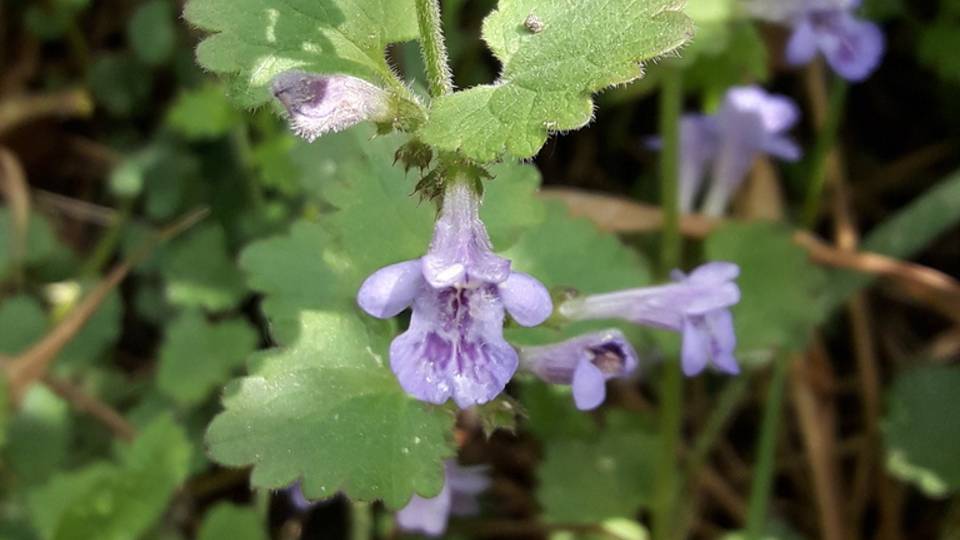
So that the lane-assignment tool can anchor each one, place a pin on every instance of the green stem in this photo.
(361, 521)
(108, 243)
(671, 103)
(764, 469)
(439, 79)
(826, 139)
(671, 389)
(726, 405)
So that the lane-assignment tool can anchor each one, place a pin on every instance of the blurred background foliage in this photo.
(136, 195)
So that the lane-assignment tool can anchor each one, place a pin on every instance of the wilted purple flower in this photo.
(458, 497)
(750, 122)
(853, 47)
(454, 346)
(586, 362)
(696, 305)
(320, 104)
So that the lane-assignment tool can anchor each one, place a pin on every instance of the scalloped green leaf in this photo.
(23, 321)
(120, 499)
(226, 520)
(922, 429)
(563, 251)
(608, 476)
(329, 411)
(200, 271)
(254, 40)
(197, 356)
(555, 54)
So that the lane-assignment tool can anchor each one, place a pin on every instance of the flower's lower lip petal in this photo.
(695, 349)
(857, 49)
(454, 347)
(802, 46)
(526, 299)
(428, 516)
(418, 361)
(589, 386)
(485, 377)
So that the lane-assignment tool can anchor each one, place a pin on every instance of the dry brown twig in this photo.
(84, 402)
(20, 109)
(13, 187)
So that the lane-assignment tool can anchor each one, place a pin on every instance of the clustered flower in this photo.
(460, 291)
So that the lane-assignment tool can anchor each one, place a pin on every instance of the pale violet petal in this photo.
(802, 45)
(589, 386)
(526, 299)
(853, 47)
(695, 348)
(454, 347)
(427, 516)
(391, 289)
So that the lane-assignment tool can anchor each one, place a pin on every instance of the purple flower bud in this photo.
(458, 497)
(696, 305)
(585, 362)
(459, 290)
(750, 122)
(320, 104)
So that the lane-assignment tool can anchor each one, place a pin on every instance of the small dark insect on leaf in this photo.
(533, 24)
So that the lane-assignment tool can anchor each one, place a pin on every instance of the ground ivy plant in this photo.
(357, 397)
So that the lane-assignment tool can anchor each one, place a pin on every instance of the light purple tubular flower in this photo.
(698, 147)
(696, 305)
(320, 104)
(750, 122)
(454, 347)
(586, 362)
(852, 47)
(458, 497)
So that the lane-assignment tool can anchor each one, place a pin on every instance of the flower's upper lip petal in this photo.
(391, 289)
(526, 299)
(714, 273)
(460, 251)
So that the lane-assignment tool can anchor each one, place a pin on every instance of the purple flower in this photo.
(699, 141)
(459, 290)
(458, 497)
(852, 47)
(586, 362)
(320, 104)
(750, 122)
(696, 305)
